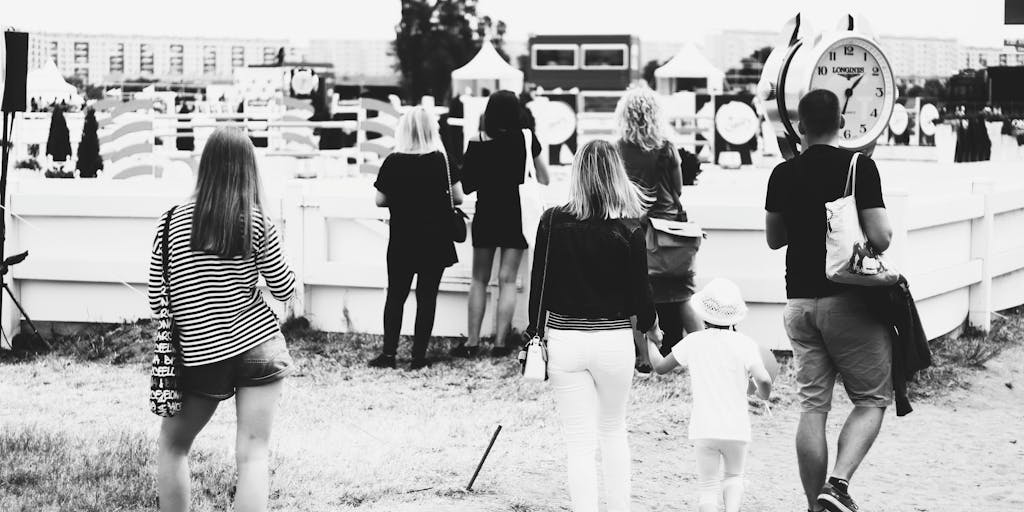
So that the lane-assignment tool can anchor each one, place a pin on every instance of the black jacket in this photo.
(595, 269)
(894, 305)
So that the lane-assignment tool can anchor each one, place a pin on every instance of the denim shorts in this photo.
(839, 335)
(263, 364)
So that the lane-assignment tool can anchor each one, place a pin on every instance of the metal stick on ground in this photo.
(487, 452)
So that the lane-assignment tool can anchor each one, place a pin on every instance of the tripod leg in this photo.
(27, 319)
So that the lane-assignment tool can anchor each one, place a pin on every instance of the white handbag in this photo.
(535, 353)
(531, 195)
(849, 258)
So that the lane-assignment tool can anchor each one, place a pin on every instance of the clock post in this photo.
(847, 61)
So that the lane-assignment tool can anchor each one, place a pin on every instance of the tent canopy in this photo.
(691, 63)
(488, 65)
(47, 82)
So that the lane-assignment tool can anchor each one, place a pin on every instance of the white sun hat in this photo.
(720, 303)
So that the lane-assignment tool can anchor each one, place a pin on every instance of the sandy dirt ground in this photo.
(355, 439)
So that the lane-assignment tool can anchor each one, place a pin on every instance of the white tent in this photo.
(487, 69)
(689, 65)
(48, 84)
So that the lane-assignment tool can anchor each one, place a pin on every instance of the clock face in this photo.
(857, 72)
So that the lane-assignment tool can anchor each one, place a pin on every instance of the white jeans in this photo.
(712, 455)
(591, 373)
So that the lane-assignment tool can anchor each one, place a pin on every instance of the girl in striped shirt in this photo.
(219, 244)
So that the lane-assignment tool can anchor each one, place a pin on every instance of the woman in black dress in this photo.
(494, 167)
(414, 183)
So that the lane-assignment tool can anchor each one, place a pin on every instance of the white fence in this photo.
(958, 240)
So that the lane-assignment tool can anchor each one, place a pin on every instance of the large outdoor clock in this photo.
(847, 61)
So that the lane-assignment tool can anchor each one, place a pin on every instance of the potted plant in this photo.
(58, 142)
(89, 161)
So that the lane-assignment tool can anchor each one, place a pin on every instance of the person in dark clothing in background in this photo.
(653, 163)
(830, 325)
(494, 167)
(414, 183)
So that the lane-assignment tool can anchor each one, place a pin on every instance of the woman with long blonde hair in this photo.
(231, 344)
(414, 183)
(653, 163)
(589, 287)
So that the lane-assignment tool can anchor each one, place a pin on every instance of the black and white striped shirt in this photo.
(215, 302)
(568, 323)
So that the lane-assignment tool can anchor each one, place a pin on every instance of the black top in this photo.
(494, 169)
(658, 172)
(596, 269)
(416, 186)
(799, 189)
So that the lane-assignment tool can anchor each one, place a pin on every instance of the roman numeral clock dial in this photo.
(859, 75)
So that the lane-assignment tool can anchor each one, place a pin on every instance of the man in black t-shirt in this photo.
(829, 325)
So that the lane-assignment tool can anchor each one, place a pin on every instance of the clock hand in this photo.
(849, 92)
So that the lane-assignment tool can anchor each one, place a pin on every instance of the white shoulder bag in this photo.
(535, 353)
(849, 257)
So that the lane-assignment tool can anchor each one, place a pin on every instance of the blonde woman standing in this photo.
(231, 345)
(414, 183)
(653, 163)
(593, 253)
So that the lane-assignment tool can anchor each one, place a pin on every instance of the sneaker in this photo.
(418, 363)
(502, 350)
(467, 351)
(835, 500)
(382, 361)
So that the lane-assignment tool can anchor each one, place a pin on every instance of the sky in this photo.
(655, 20)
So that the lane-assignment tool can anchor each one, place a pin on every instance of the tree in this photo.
(94, 92)
(648, 72)
(89, 159)
(435, 37)
(749, 72)
(935, 88)
(58, 142)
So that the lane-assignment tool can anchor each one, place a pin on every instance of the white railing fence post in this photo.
(982, 230)
(11, 319)
(293, 239)
(896, 206)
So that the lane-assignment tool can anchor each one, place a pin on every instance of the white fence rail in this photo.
(962, 252)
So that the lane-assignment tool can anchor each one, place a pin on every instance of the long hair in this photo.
(638, 118)
(417, 132)
(502, 114)
(599, 187)
(227, 192)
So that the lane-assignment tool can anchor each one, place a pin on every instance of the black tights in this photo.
(399, 284)
(670, 320)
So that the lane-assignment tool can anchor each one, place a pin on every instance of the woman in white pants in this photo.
(589, 284)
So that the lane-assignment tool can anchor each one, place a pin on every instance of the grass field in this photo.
(76, 434)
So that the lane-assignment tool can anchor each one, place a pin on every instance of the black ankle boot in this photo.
(382, 361)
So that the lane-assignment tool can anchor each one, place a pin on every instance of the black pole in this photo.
(3, 196)
(487, 452)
